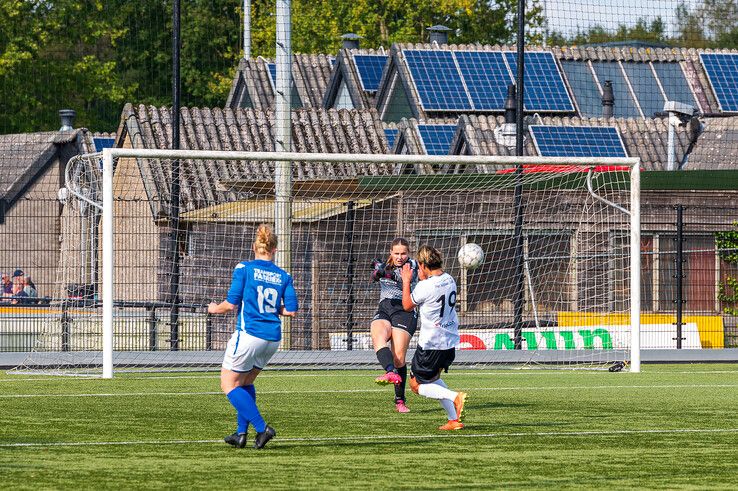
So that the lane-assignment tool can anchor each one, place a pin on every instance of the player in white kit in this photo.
(435, 294)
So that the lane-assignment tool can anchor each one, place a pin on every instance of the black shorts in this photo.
(428, 363)
(391, 310)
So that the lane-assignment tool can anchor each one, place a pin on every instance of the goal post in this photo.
(581, 275)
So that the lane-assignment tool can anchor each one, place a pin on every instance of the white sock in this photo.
(437, 390)
(450, 408)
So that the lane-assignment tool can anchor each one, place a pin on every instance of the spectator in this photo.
(7, 285)
(30, 288)
(18, 293)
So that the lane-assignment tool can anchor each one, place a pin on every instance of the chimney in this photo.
(350, 41)
(510, 107)
(438, 34)
(67, 119)
(608, 100)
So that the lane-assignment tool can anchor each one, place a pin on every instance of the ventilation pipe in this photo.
(350, 41)
(438, 34)
(67, 119)
(608, 100)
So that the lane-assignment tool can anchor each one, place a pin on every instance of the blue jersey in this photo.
(260, 288)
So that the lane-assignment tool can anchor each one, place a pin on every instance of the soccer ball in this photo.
(470, 256)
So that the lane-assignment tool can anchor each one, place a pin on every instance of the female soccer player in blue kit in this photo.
(260, 292)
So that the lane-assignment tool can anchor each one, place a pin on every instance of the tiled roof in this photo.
(24, 156)
(252, 86)
(313, 131)
(646, 139)
(717, 146)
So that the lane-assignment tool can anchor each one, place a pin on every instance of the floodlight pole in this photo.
(247, 29)
(518, 292)
(283, 143)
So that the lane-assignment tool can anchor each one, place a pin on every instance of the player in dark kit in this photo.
(392, 325)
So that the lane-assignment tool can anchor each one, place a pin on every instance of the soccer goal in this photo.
(150, 237)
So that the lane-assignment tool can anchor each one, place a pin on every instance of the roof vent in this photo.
(67, 119)
(350, 41)
(438, 34)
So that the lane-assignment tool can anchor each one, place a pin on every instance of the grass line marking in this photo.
(362, 391)
(386, 438)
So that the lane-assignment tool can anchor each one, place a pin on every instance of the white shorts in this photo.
(245, 352)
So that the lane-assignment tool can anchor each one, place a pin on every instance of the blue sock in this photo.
(251, 390)
(242, 423)
(246, 408)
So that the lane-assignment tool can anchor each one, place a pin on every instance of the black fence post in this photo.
(208, 332)
(679, 262)
(152, 328)
(350, 276)
(66, 321)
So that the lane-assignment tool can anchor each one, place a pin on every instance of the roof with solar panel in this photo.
(439, 80)
(356, 77)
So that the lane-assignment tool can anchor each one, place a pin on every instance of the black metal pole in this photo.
(174, 210)
(350, 276)
(679, 274)
(518, 299)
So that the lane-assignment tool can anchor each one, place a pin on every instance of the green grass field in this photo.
(669, 427)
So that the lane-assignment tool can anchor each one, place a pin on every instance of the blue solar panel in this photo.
(544, 86)
(273, 73)
(486, 78)
(103, 142)
(370, 69)
(722, 70)
(577, 141)
(437, 80)
(437, 137)
(391, 134)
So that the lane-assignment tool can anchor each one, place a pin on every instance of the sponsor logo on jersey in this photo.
(267, 276)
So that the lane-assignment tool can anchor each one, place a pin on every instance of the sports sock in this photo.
(400, 388)
(450, 409)
(245, 405)
(251, 390)
(386, 360)
(436, 391)
(242, 423)
(439, 390)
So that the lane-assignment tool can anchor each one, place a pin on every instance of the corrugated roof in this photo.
(253, 87)
(314, 131)
(24, 156)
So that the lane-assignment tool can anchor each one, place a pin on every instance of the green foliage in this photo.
(727, 244)
(653, 32)
(93, 56)
(711, 24)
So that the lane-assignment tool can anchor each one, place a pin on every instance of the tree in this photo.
(93, 56)
(711, 24)
(653, 32)
(727, 245)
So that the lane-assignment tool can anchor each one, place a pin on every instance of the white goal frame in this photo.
(283, 192)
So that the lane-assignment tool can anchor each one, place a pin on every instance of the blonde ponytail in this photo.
(266, 240)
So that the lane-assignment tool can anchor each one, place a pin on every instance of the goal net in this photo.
(558, 287)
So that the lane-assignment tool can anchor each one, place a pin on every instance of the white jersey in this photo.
(439, 324)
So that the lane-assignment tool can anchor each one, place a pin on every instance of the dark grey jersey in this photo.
(392, 287)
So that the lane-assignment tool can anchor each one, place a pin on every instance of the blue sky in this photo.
(566, 16)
